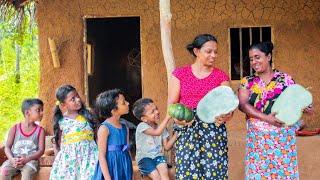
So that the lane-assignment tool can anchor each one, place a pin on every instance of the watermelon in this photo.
(180, 112)
(289, 105)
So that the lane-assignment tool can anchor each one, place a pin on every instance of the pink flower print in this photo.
(256, 80)
(264, 101)
(265, 95)
(288, 80)
(277, 91)
(250, 84)
(279, 85)
(259, 105)
(270, 95)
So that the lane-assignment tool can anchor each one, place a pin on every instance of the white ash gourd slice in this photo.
(221, 100)
(290, 104)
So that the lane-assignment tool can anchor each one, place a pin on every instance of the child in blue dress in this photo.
(114, 158)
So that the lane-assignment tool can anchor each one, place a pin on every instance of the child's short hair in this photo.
(28, 103)
(106, 102)
(139, 105)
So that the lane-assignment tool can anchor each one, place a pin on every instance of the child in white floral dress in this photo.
(74, 137)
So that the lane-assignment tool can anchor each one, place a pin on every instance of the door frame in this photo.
(85, 52)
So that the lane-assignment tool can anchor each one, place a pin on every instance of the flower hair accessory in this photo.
(58, 103)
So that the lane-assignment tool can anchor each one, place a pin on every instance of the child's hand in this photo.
(14, 162)
(168, 117)
(22, 160)
(183, 122)
(175, 135)
(309, 109)
(223, 118)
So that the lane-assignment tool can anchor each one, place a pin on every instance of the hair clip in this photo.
(58, 103)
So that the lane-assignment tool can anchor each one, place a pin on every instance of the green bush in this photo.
(11, 92)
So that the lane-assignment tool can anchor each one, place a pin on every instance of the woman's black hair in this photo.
(61, 95)
(106, 102)
(139, 107)
(265, 46)
(199, 41)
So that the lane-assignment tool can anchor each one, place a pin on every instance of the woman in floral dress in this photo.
(271, 151)
(201, 149)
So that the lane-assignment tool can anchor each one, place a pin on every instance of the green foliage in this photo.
(12, 93)
(18, 15)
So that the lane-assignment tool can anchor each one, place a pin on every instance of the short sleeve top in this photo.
(192, 89)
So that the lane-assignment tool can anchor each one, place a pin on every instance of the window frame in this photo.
(240, 28)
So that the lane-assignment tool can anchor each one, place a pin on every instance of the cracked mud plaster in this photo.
(295, 27)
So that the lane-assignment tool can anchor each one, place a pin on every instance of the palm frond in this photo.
(16, 11)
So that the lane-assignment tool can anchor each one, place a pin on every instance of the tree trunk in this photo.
(18, 54)
(165, 28)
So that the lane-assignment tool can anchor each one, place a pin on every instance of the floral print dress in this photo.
(78, 153)
(271, 151)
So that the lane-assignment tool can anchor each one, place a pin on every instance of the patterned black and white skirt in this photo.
(202, 152)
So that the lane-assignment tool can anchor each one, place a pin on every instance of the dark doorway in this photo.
(116, 62)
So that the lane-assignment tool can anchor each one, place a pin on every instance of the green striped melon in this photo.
(180, 112)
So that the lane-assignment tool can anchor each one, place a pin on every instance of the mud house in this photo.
(124, 40)
(107, 44)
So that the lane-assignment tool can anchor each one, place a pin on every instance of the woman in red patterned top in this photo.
(201, 150)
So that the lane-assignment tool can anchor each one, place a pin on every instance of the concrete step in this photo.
(44, 174)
